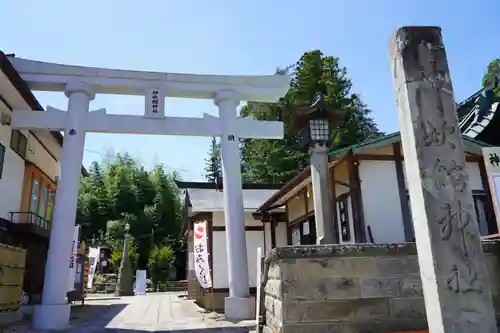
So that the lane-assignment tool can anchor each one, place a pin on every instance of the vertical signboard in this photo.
(201, 262)
(155, 103)
(140, 282)
(491, 156)
(72, 258)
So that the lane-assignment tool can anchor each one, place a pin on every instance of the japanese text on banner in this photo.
(202, 264)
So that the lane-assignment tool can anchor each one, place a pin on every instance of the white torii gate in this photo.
(80, 85)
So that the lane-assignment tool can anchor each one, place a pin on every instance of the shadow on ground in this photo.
(94, 318)
(154, 313)
(187, 330)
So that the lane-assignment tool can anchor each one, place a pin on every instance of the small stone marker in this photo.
(452, 266)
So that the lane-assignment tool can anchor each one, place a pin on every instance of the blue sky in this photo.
(237, 37)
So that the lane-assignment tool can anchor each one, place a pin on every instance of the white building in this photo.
(206, 203)
(368, 184)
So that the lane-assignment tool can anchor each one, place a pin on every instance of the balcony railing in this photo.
(30, 218)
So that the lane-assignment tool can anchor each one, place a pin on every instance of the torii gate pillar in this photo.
(55, 310)
(239, 305)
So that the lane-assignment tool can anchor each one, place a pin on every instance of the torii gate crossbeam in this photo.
(100, 122)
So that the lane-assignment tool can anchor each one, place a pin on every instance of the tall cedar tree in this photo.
(278, 161)
(213, 162)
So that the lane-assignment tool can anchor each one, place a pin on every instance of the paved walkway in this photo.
(157, 312)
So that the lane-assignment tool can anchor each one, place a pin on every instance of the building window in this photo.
(34, 196)
(42, 207)
(2, 158)
(18, 143)
(308, 231)
(50, 204)
(304, 233)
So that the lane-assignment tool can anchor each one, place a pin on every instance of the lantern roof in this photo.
(321, 109)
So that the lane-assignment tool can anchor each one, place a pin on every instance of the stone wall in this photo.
(354, 288)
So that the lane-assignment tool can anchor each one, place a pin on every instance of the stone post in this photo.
(54, 311)
(239, 305)
(452, 266)
(326, 228)
(125, 284)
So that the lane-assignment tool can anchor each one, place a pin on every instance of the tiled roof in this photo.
(478, 111)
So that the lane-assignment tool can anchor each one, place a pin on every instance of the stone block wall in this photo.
(353, 288)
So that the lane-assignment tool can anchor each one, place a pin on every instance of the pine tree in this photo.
(213, 162)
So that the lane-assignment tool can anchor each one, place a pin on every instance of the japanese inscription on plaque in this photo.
(155, 103)
(494, 159)
(72, 257)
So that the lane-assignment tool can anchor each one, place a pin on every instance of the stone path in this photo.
(158, 312)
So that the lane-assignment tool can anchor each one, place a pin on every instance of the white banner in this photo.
(72, 259)
(201, 263)
(93, 260)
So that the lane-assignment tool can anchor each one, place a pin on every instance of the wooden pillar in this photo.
(403, 199)
(273, 231)
(336, 226)
(356, 200)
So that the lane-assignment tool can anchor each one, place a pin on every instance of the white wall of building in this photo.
(281, 239)
(267, 238)
(11, 183)
(473, 171)
(381, 205)
(281, 230)
(254, 240)
(38, 155)
(218, 220)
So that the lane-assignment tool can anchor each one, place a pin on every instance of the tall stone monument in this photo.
(452, 267)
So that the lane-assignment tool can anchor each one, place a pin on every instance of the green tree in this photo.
(213, 162)
(278, 161)
(161, 260)
(117, 253)
(120, 191)
(493, 75)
